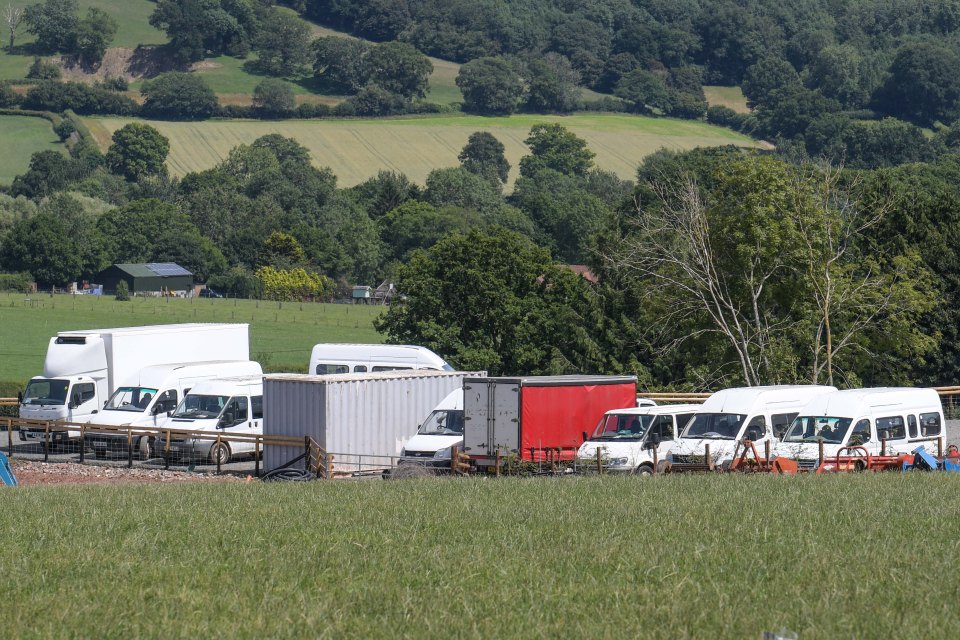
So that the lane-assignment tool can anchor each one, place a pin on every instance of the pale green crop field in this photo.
(358, 149)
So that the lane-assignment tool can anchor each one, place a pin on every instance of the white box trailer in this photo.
(362, 419)
(83, 368)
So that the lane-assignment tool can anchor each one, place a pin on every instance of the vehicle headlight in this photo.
(443, 454)
(618, 462)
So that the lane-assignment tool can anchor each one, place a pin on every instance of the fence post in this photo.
(656, 460)
(10, 436)
(939, 446)
(306, 451)
(256, 458)
(883, 446)
(706, 456)
(46, 442)
(329, 466)
(599, 463)
(497, 468)
(129, 448)
(766, 451)
(820, 452)
(166, 452)
(217, 456)
(83, 441)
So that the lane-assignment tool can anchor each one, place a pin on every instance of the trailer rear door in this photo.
(492, 411)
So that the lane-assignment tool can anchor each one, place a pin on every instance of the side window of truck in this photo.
(682, 420)
(930, 424)
(386, 368)
(84, 392)
(257, 407)
(861, 433)
(912, 425)
(664, 427)
(166, 402)
(236, 410)
(894, 426)
(781, 421)
(758, 425)
(360, 368)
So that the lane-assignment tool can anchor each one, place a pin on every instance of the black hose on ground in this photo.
(288, 475)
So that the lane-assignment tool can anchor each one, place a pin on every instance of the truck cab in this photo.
(906, 418)
(67, 399)
(761, 414)
(439, 433)
(228, 406)
(626, 438)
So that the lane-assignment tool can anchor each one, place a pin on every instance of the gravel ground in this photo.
(30, 473)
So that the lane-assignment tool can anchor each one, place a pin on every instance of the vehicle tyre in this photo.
(859, 466)
(143, 448)
(644, 470)
(220, 451)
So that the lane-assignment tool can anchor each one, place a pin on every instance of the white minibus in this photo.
(363, 358)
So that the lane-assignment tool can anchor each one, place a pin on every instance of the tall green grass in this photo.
(867, 556)
(281, 334)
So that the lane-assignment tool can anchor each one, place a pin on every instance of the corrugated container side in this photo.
(292, 408)
(363, 420)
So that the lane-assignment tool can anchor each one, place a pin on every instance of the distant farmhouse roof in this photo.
(153, 269)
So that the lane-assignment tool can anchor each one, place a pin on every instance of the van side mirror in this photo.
(226, 420)
(753, 434)
(19, 397)
(652, 442)
(585, 438)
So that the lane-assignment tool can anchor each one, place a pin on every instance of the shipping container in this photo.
(537, 417)
(362, 419)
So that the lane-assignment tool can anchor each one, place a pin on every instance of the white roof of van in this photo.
(656, 410)
(744, 400)
(852, 403)
(227, 386)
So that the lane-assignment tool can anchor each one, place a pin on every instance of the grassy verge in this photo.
(688, 557)
(731, 97)
(357, 149)
(281, 336)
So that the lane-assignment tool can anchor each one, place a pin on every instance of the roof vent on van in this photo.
(71, 340)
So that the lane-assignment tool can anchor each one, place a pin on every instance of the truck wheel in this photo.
(220, 452)
(644, 470)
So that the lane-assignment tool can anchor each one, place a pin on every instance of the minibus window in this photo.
(894, 425)
(861, 433)
(360, 368)
(663, 425)
(757, 428)
(257, 407)
(780, 423)
(930, 424)
(912, 425)
(328, 369)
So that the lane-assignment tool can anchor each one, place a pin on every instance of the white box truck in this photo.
(363, 419)
(151, 396)
(83, 368)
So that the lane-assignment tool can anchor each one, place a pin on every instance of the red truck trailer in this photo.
(537, 417)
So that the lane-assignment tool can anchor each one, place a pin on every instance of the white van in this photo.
(362, 358)
(762, 414)
(439, 433)
(151, 395)
(624, 435)
(231, 406)
(907, 417)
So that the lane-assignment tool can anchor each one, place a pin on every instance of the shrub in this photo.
(65, 129)
(722, 116)
(51, 95)
(8, 97)
(179, 96)
(41, 70)
(313, 110)
(236, 111)
(116, 84)
(19, 282)
(123, 291)
(293, 284)
(607, 104)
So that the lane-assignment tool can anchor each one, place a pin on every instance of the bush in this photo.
(123, 291)
(41, 70)
(313, 110)
(722, 116)
(179, 96)
(65, 129)
(8, 97)
(688, 106)
(375, 101)
(51, 95)
(293, 284)
(236, 111)
(19, 282)
(116, 84)
(607, 104)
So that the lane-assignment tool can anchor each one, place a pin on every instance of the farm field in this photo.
(731, 97)
(281, 336)
(22, 136)
(357, 149)
(853, 556)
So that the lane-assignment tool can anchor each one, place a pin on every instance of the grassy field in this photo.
(21, 137)
(357, 149)
(727, 97)
(281, 336)
(674, 557)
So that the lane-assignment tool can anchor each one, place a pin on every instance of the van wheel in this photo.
(143, 448)
(220, 452)
(644, 470)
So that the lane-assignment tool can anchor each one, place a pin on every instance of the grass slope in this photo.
(357, 149)
(731, 97)
(672, 557)
(281, 336)
(22, 136)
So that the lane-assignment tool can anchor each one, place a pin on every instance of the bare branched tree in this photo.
(13, 17)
